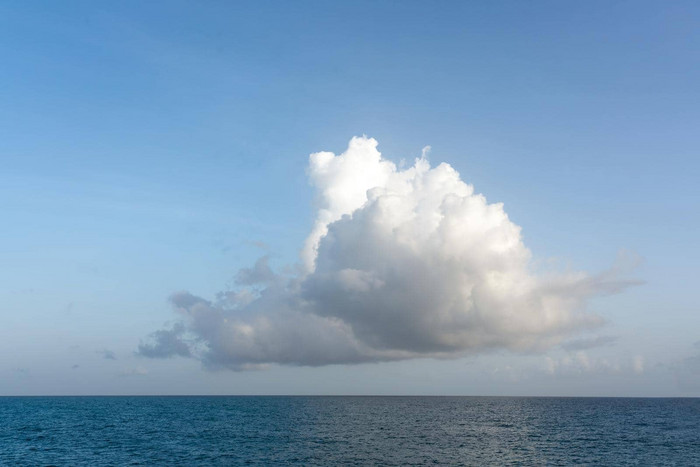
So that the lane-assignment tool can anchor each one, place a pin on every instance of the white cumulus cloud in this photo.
(400, 263)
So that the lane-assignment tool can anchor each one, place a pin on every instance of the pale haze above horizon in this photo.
(462, 198)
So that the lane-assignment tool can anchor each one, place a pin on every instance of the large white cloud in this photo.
(398, 264)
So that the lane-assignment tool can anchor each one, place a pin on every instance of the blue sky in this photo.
(151, 148)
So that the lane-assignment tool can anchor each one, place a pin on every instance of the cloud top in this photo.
(400, 263)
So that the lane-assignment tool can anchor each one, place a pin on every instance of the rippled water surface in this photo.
(348, 430)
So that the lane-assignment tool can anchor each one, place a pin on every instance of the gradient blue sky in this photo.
(153, 147)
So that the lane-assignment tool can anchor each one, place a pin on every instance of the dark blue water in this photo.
(347, 430)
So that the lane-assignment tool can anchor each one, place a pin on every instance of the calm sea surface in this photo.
(347, 431)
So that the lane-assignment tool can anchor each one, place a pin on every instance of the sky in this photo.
(468, 198)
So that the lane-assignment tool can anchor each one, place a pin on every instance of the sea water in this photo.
(348, 431)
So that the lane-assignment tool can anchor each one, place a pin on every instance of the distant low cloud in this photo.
(590, 343)
(580, 363)
(128, 372)
(400, 263)
(687, 371)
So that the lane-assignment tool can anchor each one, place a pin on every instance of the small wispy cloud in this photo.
(258, 244)
(22, 372)
(107, 354)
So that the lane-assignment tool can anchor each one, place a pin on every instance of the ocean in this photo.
(194, 430)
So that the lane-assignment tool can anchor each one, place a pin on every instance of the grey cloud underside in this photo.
(276, 333)
(260, 273)
(399, 264)
(166, 343)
